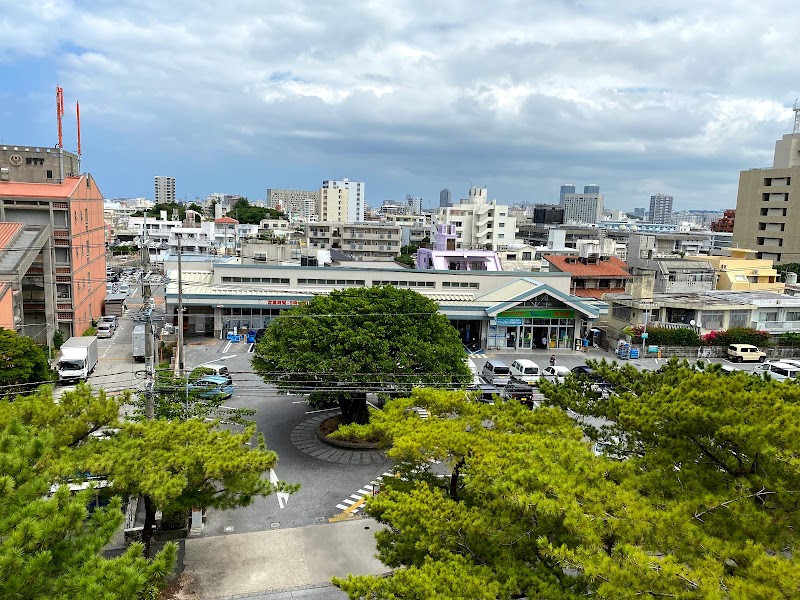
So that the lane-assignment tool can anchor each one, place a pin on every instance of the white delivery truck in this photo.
(137, 342)
(78, 359)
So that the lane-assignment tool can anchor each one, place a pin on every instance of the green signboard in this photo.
(537, 313)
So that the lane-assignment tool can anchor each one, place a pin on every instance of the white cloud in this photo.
(523, 94)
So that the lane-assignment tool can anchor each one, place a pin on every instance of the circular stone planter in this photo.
(344, 444)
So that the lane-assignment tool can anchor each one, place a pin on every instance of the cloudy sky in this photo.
(410, 97)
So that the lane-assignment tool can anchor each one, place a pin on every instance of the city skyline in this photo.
(409, 100)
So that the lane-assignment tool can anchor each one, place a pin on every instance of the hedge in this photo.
(664, 336)
(738, 335)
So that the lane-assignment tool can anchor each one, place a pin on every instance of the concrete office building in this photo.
(414, 204)
(73, 211)
(164, 189)
(583, 208)
(445, 199)
(591, 189)
(768, 205)
(36, 164)
(640, 212)
(341, 201)
(565, 189)
(660, 208)
(548, 214)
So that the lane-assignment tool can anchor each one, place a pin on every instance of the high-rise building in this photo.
(165, 189)
(660, 208)
(640, 212)
(445, 199)
(591, 189)
(583, 208)
(565, 189)
(768, 204)
(414, 204)
(342, 201)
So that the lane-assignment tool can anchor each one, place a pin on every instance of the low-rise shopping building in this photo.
(509, 310)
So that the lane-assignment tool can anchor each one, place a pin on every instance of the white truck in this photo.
(137, 342)
(78, 359)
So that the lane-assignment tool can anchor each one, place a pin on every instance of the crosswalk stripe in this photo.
(348, 501)
(341, 507)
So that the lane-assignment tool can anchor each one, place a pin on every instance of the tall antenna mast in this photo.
(59, 114)
(796, 117)
(78, 116)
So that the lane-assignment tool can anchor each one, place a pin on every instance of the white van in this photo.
(779, 371)
(525, 370)
(496, 372)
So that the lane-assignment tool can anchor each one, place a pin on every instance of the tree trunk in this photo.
(149, 523)
(354, 408)
(454, 479)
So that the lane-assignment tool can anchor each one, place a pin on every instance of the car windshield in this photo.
(501, 371)
(530, 370)
(71, 365)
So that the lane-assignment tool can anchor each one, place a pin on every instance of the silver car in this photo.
(104, 330)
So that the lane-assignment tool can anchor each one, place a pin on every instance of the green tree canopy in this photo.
(361, 340)
(50, 546)
(244, 212)
(704, 506)
(22, 361)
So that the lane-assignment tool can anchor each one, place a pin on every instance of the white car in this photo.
(525, 370)
(555, 374)
(779, 371)
(104, 330)
(124, 288)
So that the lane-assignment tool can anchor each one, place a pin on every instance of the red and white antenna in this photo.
(59, 114)
(78, 116)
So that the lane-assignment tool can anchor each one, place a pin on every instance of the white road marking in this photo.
(227, 347)
(283, 497)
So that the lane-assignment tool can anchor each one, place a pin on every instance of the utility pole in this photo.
(181, 362)
(148, 329)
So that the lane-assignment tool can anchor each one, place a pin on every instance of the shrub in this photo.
(789, 339)
(664, 336)
(737, 335)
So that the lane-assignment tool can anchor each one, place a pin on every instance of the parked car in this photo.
(555, 374)
(745, 352)
(111, 320)
(104, 330)
(260, 334)
(210, 386)
(597, 383)
(525, 370)
(523, 392)
(486, 392)
(779, 371)
(124, 288)
(496, 372)
(473, 368)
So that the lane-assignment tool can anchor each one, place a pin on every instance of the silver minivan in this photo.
(496, 372)
(779, 371)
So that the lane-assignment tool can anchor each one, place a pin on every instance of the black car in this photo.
(518, 390)
(598, 383)
(260, 334)
(486, 392)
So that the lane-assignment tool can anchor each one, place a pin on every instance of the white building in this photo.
(302, 203)
(165, 189)
(372, 241)
(414, 204)
(583, 208)
(341, 201)
(480, 224)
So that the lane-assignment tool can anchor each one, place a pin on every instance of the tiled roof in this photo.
(613, 267)
(16, 189)
(8, 231)
(226, 220)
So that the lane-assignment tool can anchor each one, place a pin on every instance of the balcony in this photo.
(665, 325)
(778, 326)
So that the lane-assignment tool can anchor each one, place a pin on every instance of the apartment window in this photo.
(511, 257)
(526, 256)
(501, 225)
(740, 318)
(49, 174)
(768, 315)
(712, 319)
(793, 315)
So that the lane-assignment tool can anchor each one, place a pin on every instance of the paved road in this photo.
(324, 484)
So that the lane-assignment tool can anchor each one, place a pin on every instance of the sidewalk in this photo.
(281, 560)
